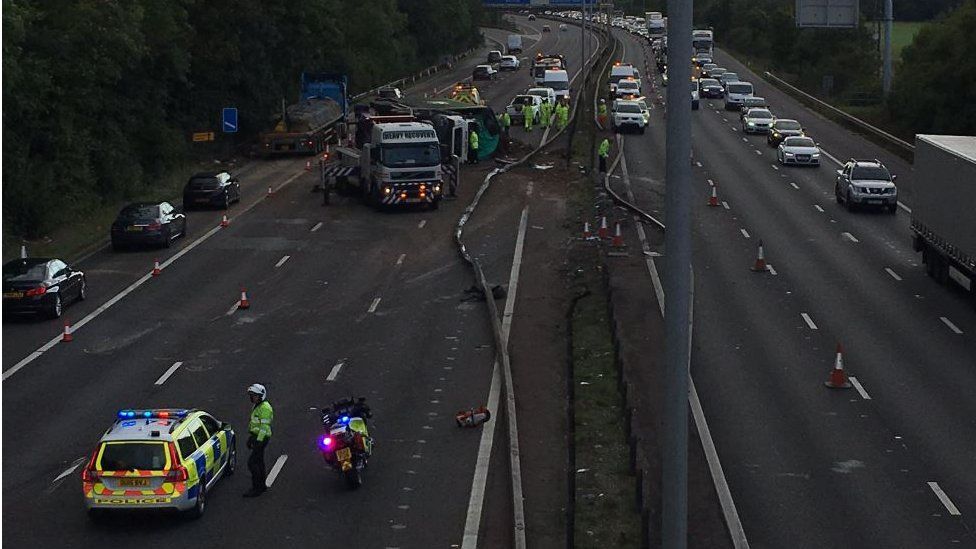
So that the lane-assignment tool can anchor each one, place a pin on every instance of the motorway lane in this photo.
(824, 275)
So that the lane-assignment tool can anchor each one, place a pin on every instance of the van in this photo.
(558, 80)
(619, 72)
(514, 43)
(735, 93)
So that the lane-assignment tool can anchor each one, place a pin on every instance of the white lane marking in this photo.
(949, 323)
(421, 224)
(335, 370)
(172, 369)
(233, 308)
(774, 166)
(77, 463)
(132, 287)
(726, 205)
(711, 183)
(699, 164)
(529, 188)
(818, 208)
(744, 233)
(725, 119)
(904, 207)
(735, 130)
(757, 151)
(745, 139)
(860, 388)
(316, 227)
(794, 185)
(374, 305)
(275, 469)
(401, 258)
(850, 237)
(772, 271)
(282, 261)
(809, 321)
(951, 507)
(832, 158)
(472, 523)
(892, 273)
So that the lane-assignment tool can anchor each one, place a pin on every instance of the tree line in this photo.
(101, 96)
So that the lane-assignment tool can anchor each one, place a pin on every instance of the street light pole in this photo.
(886, 67)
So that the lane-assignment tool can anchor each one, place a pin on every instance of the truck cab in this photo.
(401, 164)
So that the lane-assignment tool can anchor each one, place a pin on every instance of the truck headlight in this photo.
(752, 123)
(816, 155)
(788, 153)
(387, 190)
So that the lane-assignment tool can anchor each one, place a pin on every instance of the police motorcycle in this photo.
(346, 445)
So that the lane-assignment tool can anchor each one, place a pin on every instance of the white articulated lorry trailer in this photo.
(944, 208)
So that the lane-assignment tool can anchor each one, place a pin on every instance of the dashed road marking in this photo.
(400, 259)
(951, 326)
(809, 321)
(172, 369)
(374, 305)
(316, 227)
(699, 164)
(282, 261)
(735, 130)
(772, 271)
(951, 507)
(745, 139)
(726, 205)
(860, 388)
(893, 274)
(711, 183)
(757, 151)
(850, 237)
(818, 208)
(233, 308)
(744, 232)
(774, 166)
(335, 370)
(275, 469)
(421, 224)
(794, 185)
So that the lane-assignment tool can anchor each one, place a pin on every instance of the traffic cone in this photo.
(838, 377)
(225, 222)
(67, 337)
(760, 266)
(618, 239)
(586, 230)
(308, 165)
(270, 192)
(604, 230)
(156, 270)
(713, 200)
(23, 251)
(244, 304)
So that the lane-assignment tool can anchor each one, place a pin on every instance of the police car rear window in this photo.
(131, 456)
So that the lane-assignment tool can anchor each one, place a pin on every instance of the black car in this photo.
(710, 88)
(213, 189)
(781, 129)
(40, 285)
(148, 223)
(482, 72)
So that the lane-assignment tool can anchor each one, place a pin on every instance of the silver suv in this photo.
(866, 182)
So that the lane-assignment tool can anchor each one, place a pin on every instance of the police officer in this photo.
(603, 113)
(528, 112)
(604, 154)
(472, 143)
(546, 110)
(259, 435)
(506, 122)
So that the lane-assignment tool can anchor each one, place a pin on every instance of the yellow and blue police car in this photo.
(162, 458)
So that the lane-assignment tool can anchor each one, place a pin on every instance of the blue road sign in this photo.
(229, 116)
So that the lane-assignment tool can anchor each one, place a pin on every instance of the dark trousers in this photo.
(472, 155)
(255, 464)
(603, 163)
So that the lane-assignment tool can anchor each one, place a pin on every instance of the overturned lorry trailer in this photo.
(944, 208)
(439, 111)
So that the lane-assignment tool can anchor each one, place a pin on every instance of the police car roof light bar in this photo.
(157, 413)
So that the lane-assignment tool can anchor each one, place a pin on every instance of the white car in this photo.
(563, 27)
(627, 113)
(509, 63)
(645, 112)
(627, 87)
(544, 94)
(799, 151)
(515, 108)
(735, 93)
(757, 120)
(728, 77)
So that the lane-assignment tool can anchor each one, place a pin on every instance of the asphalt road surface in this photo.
(345, 301)
(889, 463)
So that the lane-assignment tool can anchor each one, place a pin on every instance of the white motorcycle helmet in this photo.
(258, 389)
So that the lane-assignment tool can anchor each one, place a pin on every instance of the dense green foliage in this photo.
(101, 96)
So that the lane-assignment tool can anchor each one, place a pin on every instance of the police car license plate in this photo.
(16, 295)
(133, 482)
(874, 201)
(343, 454)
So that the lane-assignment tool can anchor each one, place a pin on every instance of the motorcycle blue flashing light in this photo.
(344, 419)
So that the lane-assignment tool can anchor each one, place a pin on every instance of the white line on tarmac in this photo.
(818, 208)
(772, 271)
(172, 369)
(892, 273)
(335, 370)
(233, 308)
(374, 305)
(745, 139)
(699, 164)
(77, 463)
(809, 321)
(726, 205)
(421, 224)
(860, 389)
(281, 261)
(850, 237)
(774, 166)
(744, 233)
(401, 258)
(725, 119)
(735, 130)
(757, 151)
(832, 158)
(275, 469)
(949, 323)
(711, 183)
(794, 185)
(951, 507)
(316, 227)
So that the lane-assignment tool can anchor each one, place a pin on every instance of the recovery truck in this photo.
(943, 221)
(306, 127)
(543, 63)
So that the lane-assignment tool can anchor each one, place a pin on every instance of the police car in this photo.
(160, 458)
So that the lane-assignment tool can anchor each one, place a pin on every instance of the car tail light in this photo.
(40, 290)
(89, 474)
(155, 226)
(178, 473)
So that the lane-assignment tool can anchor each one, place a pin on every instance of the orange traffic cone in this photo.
(244, 304)
(604, 230)
(586, 230)
(270, 192)
(760, 266)
(618, 239)
(67, 337)
(713, 200)
(225, 222)
(156, 270)
(838, 377)
(308, 165)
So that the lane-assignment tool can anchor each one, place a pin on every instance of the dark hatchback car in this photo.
(211, 189)
(783, 128)
(711, 88)
(41, 286)
(148, 223)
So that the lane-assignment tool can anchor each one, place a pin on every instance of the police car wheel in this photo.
(201, 504)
